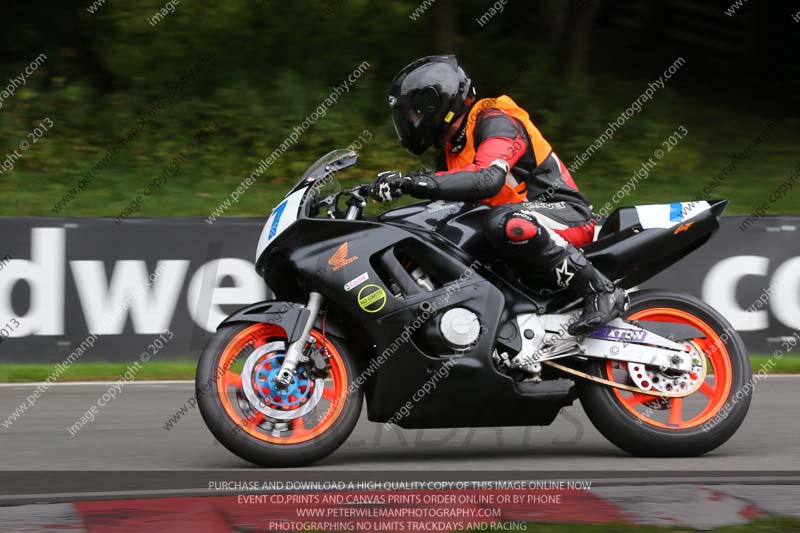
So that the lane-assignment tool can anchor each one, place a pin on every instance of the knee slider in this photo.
(518, 228)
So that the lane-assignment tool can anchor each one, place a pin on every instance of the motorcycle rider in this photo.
(490, 151)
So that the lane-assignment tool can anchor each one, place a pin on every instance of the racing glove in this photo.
(387, 186)
(390, 185)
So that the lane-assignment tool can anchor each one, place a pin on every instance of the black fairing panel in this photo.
(298, 261)
(459, 223)
(445, 242)
(630, 255)
(465, 230)
(288, 315)
(624, 250)
(451, 381)
(404, 361)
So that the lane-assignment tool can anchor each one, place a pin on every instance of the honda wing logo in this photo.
(339, 258)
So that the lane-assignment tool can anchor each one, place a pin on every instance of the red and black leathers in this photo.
(539, 216)
(536, 175)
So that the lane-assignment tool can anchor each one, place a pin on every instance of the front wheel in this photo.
(269, 425)
(657, 426)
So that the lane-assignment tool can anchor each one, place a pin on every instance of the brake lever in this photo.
(360, 193)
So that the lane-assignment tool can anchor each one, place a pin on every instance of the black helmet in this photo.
(427, 97)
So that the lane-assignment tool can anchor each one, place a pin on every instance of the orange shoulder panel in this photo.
(541, 148)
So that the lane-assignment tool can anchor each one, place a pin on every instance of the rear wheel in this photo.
(658, 426)
(270, 425)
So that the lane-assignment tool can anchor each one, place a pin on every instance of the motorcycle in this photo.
(410, 309)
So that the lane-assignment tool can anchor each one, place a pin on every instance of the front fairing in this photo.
(315, 182)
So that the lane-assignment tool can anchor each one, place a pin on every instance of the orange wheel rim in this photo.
(706, 402)
(297, 430)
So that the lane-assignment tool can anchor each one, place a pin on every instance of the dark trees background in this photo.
(574, 64)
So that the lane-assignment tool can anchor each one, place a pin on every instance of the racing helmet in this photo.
(427, 97)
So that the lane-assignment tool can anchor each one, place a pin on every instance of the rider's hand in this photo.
(387, 186)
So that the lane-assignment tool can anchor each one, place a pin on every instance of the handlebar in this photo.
(357, 198)
(357, 201)
(360, 192)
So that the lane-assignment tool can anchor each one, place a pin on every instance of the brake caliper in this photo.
(317, 361)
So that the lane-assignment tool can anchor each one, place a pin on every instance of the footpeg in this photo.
(528, 366)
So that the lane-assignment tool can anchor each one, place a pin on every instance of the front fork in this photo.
(295, 350)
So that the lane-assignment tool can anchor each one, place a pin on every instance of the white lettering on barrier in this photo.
(205, 296)
(151, 310)
(719, 290)
(783, 298)
(785, 303)
(108, 301)
(44, 274)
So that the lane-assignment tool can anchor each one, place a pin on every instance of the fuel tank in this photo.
(457, 222)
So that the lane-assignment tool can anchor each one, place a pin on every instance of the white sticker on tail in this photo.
(669, 215)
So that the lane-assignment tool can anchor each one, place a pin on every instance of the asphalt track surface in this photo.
(128, 437)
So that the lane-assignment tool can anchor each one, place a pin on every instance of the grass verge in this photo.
(786, 365)
(21, 373)
(154, 370)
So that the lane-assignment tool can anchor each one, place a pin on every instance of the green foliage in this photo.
(273, 63)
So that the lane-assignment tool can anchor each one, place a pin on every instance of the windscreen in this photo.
(318, 181)
(327, 165)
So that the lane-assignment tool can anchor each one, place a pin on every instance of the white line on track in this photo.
(106, 383)
(185, 382)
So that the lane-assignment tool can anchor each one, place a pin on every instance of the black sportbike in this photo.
(410, 309)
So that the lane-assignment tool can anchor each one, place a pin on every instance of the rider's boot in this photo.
(554, 260)
(603, 301)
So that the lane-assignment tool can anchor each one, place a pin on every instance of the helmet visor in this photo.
(416, 120)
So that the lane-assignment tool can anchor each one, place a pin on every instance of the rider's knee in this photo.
(516, 228)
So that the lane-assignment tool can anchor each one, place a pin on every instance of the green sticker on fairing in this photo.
(371, 298)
